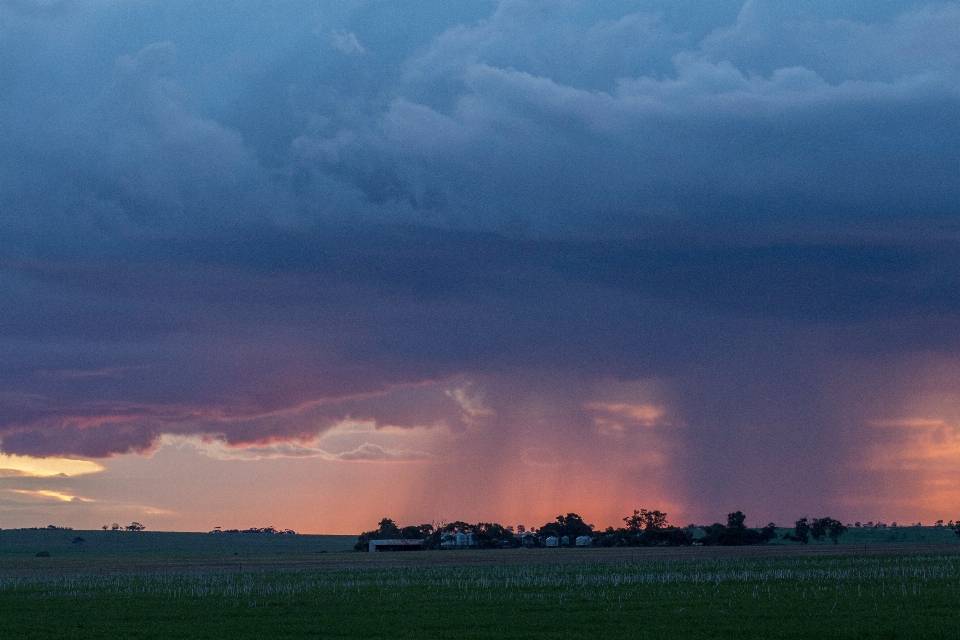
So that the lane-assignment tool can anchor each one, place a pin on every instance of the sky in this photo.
(310, 264)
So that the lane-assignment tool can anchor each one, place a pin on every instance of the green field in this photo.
(853, 596)
(118, 584)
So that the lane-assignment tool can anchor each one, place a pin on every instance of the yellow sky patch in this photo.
(47, 467)
(55, 495)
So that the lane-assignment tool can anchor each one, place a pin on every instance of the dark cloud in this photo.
(238, 332)
(253, 223)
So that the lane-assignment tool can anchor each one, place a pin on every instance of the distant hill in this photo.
(889, 535)
(77, 543)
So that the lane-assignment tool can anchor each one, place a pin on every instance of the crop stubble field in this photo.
(872, 591)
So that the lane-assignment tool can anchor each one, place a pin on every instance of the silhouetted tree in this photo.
(644, 529)
(801, 532)
(827, 527)
(416, 532)
(768, 533)
(570, 525)
(736, 533)
(836, 530)
(490, 535)
(388, 528)
(666, 536)
(611, 537)
(713, 534)
(646, 520)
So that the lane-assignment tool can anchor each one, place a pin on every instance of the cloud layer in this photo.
(640, 242)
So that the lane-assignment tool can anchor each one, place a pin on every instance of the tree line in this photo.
(644, 528)
(267, 530)
(133, 526)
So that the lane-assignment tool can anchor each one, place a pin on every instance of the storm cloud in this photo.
(698, 255)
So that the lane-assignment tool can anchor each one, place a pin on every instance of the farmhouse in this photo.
(396, 545)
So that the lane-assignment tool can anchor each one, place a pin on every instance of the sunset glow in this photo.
(45, 467)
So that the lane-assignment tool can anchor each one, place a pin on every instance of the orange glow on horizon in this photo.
(915, 444)
(914, 462)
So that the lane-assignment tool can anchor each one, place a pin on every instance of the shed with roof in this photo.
(396, 545)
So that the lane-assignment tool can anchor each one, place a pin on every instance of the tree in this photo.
(667, 536)
(769, 532)
(135, 526)
(827, 527)
(713, 534)
(611, 537)
(570, 525)
(818, 528)
(416, 532)
(736, 520)
(490, 535)
(836, 530)
(736, 533)
(388, 528)
(645, 528)
(644, 520)
(801, 532)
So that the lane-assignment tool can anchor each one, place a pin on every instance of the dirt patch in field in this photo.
(340, 561)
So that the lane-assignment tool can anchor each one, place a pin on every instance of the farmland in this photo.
(873, 591)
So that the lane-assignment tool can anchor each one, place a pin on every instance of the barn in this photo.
(396, 545)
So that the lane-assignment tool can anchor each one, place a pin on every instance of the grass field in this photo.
(694, 592)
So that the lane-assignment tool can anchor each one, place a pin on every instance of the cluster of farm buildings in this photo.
(466, 541)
